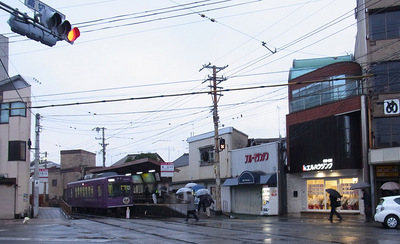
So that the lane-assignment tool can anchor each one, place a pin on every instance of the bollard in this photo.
(128, 213)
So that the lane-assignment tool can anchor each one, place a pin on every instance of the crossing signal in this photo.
(221, 144)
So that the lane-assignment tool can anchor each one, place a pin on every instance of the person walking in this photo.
(191, 208)
(207, 203)
(367, 205)
(334, 205)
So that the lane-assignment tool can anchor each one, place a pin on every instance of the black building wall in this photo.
(335, 137)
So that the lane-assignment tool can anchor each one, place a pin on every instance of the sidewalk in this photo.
(48, 215)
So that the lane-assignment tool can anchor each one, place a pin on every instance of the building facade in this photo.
(73, 166)
(252, 189)
(324, 134)
(15, 131)
(377, 51)
(201, 166)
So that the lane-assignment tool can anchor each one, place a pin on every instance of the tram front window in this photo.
(118, 189)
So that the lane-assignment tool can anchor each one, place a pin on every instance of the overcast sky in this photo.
(134, 49)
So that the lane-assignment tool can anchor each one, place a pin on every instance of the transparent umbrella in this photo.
(202, 191)
(391, 186)
(183, 189)
(189, 185)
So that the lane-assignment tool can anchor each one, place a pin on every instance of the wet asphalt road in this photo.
(52, 227)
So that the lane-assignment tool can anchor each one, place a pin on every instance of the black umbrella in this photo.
(333, 193)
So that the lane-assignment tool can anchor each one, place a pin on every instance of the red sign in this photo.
(257, 157)
(167, 169)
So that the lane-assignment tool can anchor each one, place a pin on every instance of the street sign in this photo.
(43, 175)
(391, 106)
(40, 7)
(167, 169)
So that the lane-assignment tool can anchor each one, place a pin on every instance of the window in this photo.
(318, 199)
(387, 132)
(54, 183)
(320, 93)
(386, 77)
(119, 189)
(4, 113)
(10, 110)
(18, 109)
(384, 25)
(16, 151)
(207, 155)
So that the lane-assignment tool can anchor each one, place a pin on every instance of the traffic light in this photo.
(50, 28)
(22, 27)
(57, 24)
(221, 144)
(73, 34)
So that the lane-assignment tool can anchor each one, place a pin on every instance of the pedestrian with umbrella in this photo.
(366, 197)
(191, 208)
(333, 197)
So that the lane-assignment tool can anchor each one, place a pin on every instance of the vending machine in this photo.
(270, 202)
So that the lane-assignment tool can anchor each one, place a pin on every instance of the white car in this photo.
(388, 211)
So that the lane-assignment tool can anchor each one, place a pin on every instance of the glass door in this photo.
(330, 184)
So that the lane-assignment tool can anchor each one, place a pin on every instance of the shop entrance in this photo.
(248, 199)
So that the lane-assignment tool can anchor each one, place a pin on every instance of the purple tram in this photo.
(101, 194)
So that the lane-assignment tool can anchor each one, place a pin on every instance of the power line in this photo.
(183, 94)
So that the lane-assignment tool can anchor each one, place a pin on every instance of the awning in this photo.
(231, 182)
(268, 179)
(252, 178)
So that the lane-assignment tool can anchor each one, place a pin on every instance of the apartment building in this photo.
(377, 50)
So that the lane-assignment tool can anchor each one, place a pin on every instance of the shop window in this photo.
(316, 194)
(350, 197)
(318, 199)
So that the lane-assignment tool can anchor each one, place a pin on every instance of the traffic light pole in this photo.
(217, 167)
(36, 174)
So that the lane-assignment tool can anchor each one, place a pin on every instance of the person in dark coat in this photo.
(367, 205)
(205, 202)
(334, 205)
(191, 208)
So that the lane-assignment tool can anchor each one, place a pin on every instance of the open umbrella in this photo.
(197, 187)
(201, 192)
(183, 189)
(189, 185)
(360, 185)
(333, 193)
(391, 186)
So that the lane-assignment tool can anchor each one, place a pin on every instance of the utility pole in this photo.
(36, 175)
(103, 144)
(214, 80)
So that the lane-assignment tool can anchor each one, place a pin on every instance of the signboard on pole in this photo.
(40, 7)
(43, 175)
(167, 169)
